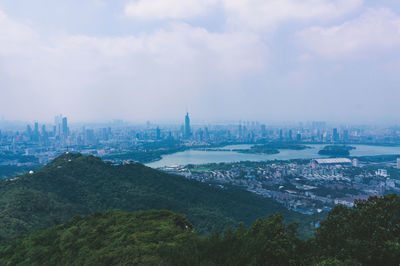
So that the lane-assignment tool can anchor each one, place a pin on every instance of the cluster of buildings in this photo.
(306, 187)
(43, 142)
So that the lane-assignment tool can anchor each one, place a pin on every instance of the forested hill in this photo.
(109, 238)
(368, 234)
(74, 184)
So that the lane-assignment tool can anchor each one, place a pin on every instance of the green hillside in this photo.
(367, 234)
(74, 184)
(109, 238)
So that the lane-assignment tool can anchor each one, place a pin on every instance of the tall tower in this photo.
(65, 127)
(36, 128)
(188, 133)
(57, 122)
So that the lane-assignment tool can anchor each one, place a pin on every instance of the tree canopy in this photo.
(367, 234)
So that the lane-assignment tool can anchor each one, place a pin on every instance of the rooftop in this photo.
(333, 161)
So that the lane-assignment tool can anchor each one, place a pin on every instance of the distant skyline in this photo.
(221, 60)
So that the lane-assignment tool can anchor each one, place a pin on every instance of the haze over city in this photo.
(200, 132)
(222, 60)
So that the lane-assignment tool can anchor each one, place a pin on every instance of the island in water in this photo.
(272, 148)
(336, 150)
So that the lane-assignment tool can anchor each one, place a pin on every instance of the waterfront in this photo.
(194, 156)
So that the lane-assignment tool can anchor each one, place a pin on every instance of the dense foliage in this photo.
(79, 185)
(145, 155)
(258, 149)
(109, 238)
(273, 148)
(368, 234)
(10, 171)
(336, 150)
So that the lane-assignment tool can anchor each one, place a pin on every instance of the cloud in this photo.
(247, 14)
(168, 9)
(146, 69)
(267, 14)
(374, 30)
(135, 74)
(13, 35)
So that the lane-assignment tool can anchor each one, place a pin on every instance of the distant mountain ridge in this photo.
(74, 184)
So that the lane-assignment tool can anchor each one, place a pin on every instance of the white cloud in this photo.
(179, 46)
(226, 69)
(248, 14)
(167, 9)
(261, 14)
(14, 35)
(376, 30)
(135, 74)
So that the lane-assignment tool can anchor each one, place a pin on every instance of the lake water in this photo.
(203, 156)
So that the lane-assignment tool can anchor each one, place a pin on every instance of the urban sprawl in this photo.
(307, 186)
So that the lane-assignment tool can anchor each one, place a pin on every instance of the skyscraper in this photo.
(57, 122)
(345, 135)
(65, 127)
(263, 130)
(158, 133)
(29, 131)
(188, 132)
(36, 128)
(36, 132)
(335, 134)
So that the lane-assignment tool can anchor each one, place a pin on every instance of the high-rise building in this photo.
(263, 130)
(36, 128)
(335, 134)
(345, 135)
(35, 135)
(206, 133)
(65, 130)
(57, 122)
(90, 137)
(188, 132)
(29, 131)
(158, 133)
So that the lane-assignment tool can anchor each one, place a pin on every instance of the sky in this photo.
(221, 60)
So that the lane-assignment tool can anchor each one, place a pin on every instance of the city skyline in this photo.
(5, 123)
(330, 60)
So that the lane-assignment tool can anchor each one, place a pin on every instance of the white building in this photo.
(345, 202)
(382, 172)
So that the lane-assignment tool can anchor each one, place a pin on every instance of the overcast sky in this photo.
(267, 60)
